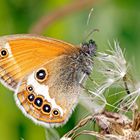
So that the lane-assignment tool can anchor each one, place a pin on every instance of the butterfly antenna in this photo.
(89, 16)
(91, 32)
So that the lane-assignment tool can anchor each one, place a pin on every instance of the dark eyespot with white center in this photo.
(46, 108)
(41, 75)
(31, 97)
(56, 112)
(29, 88)
(38, 102)
(4, 53)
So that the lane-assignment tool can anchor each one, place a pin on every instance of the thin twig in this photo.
(82, 123)
(125, 84)
(88, 132)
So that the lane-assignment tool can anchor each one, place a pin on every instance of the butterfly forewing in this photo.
(21, 54)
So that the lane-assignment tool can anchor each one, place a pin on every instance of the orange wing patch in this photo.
(21, 54)
(37, 108)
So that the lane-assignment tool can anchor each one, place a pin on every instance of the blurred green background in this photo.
(117, 19)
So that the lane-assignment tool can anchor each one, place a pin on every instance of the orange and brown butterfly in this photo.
(45, 75)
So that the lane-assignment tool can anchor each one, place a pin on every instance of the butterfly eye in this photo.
(46, 108)
(31, 97)
(56, 112)
(29, 88)
(38, 102)
(41, 75)
(4, 53)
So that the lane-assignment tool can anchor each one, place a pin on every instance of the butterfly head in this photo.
(85, 58)
(89, 48)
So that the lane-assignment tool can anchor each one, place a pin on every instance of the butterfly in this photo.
(45, 75)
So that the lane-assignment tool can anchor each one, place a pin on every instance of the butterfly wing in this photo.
(52, 99)
(21, 54)
(38, 70)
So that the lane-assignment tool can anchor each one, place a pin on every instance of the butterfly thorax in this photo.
(82, 62)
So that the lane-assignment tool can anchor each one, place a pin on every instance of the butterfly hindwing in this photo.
(48, 94)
